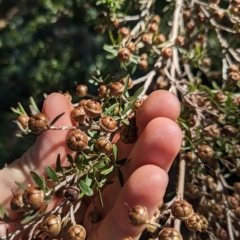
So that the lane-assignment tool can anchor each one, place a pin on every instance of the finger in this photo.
(146, 187)
(153, 147)
(42, 153)
(159, 103)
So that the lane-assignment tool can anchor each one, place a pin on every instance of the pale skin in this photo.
(159, 140)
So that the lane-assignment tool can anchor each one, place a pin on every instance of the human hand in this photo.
(159, 140)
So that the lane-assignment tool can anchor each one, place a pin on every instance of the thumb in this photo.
(42, 153)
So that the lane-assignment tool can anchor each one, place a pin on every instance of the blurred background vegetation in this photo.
(46, 46)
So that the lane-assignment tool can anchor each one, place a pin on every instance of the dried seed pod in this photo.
(16, 203)
(217, 210)
(146, 38)
(107, 124)
(197, 223)
(23, 120)
(78, 114)
(81, 90)
(159, 39)
(142, 64)
(190, 26)
(92, 108)
(156, 19)
(130, 82)
(33, 197)
(39, 123)
(217, 15)
(124, 32)
(169, 233)
(190, 157)
(116, 89)
(51, 225)
(233, 77)
(229, 130)
(193, 191)
(236, 187)
(131, 46)
(212, 131)
(182, 209)
(68, 96)
(82, 102)
(221, 98)
(167, 52)
(222, 234)
(77, 140)
(94, 216)
(128, 134)
(103, 145)
(77, 232)
(233, 202)
(124, 55)
(153, 27)
(180, 41)
(138, 215)
(114, 23)
(102, 91)
(71, 193)
(137, 104)
(232, 68)
(205, 152)
(60, 192)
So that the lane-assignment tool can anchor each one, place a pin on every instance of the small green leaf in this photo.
(107, 171)
(34, 105)
(138, 92)
(85, 188)
(21, 186)
(215, 85)
(4, 215)
(29, 218)
(39, 181)
(88, 180)
(52, 174)
(128, 107)
(126, 85)
(57, 117)
(120, 177)
(108, 110)
(126, 122)
(115, 152)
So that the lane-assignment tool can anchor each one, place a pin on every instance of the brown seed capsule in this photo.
(197, 223)
(103, 145)
(23, 120)
(205, 152)
(229, 130)
(51, 225)
(124, 32)
(156, 19)
(107, 124)
(16, 203)
(190, 157)
(81, 90)
(182, 210)
(71, 193)
(190, 26)
(77, 140)
(193, 191)
(217, 210)
(217, 15)
(232, 68)
(233, 202)
(94, 216)
(167, 52)
(60, 192)
(128, 134)
(78, 114)
(159, 39)
(39, 123)
(114, 23)
(146, 38)
(233, 77)
(124, 55)
(102, 91)
(138, 215)
(137, 104)
(130, 82)
(220, 97)
(116, 89)
(92, 108)
(222, 234)
(153, 27)
(82, 102)
(236, 187)
(180, 41)
(131, 46)
(77, 232)
(33, 197)
(142, 64)
(169, 233)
